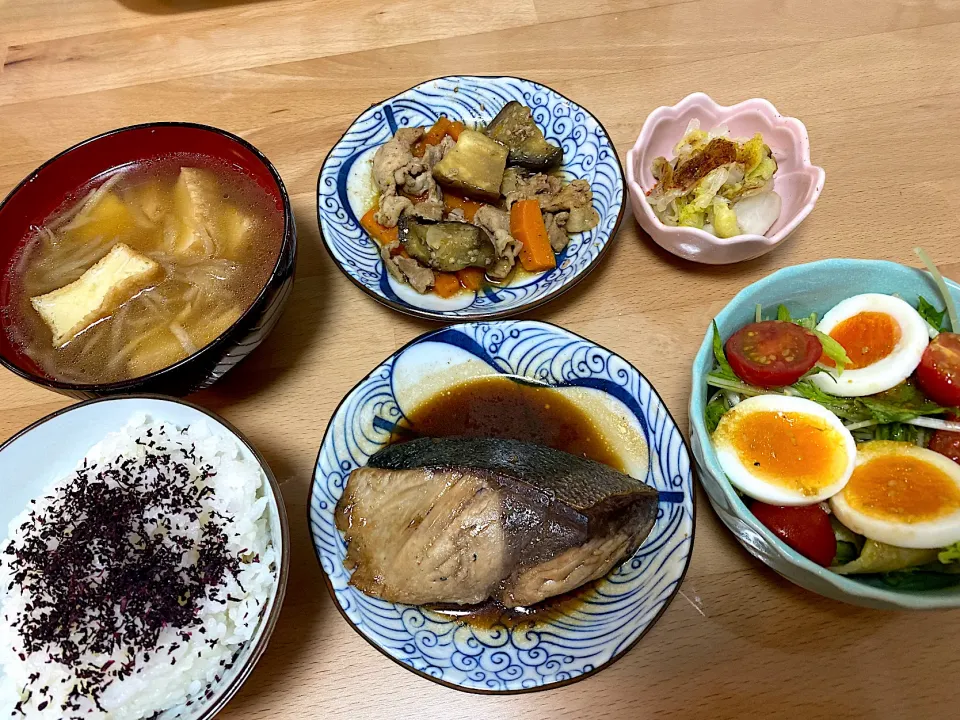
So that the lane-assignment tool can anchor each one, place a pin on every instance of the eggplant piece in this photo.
(446, 246)
(473, 167)
(515, 127)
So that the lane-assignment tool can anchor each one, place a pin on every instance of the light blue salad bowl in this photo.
(345, 191)
(814, 287)
(572, 640)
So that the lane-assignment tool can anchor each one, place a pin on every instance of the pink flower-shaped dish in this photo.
(797, 180)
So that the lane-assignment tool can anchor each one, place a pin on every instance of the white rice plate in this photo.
(241, 492)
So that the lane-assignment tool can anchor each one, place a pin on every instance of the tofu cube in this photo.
(196, 198)
(109, 219)
(154, 201)
(157, 350)
(236, 232)
(104, 287)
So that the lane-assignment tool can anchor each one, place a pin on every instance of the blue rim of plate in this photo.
(356, 254)
(627, 603)
(712, 473)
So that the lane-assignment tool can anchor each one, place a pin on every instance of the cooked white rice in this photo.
(186, 664)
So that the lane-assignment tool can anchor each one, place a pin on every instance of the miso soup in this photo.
(152, 264)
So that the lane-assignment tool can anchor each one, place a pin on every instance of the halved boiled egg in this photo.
(903, 495)
(884, 338)
(784, 450)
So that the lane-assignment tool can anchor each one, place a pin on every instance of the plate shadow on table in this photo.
(764, 596)
(573, 297)
(299, 328)
(767, 262)
(174, 7)
(308, 614)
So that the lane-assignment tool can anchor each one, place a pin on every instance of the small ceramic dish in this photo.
(72, 432)
(345, 191)
(59, 179)
(568, 642)
(814, 287)
(797, 181)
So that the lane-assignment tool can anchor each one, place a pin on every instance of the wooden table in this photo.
(876, 84)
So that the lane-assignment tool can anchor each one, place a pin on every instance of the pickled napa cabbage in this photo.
(708, 179)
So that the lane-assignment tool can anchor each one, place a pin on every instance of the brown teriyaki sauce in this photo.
(504, 407)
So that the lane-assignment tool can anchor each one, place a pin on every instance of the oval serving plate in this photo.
(572, 640)
(345, 190)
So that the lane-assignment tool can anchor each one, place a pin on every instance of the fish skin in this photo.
(562, 521)
(577, 482)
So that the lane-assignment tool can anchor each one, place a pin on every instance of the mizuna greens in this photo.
(903, 413)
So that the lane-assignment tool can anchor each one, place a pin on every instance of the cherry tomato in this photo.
(939, 371)
(772, 353)
(946, 443)
(806, 529)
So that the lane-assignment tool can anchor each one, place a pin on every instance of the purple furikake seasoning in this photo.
(123, 550)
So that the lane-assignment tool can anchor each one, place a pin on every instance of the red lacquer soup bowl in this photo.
(62, 178)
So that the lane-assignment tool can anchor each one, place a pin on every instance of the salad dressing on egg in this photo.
(789, 449)
(867, 338)
(902, 488)
(875, 376)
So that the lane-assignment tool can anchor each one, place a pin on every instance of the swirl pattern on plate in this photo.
(610, 618)
(588, 154)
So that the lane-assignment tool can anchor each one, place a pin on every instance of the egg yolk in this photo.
(867, 337)
(792, 450)
(901, 487)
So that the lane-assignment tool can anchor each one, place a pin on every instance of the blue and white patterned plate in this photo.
(345, 190)
(579, 638)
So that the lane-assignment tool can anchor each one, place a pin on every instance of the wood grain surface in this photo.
(875, 82)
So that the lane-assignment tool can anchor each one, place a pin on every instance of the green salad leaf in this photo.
(900, 403)
(919, 580)
(897, 431)
(715, 410)
(847, 552)
(929, 313)
(882, 415)
(897, 405)
(720, 356)
(833, 350)
(942, 287)
(950, 554)
(849, 409)
(877, 557)
(809, 322)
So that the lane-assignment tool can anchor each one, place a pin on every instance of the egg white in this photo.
(928, 534)
(889, 371)
(743, 476)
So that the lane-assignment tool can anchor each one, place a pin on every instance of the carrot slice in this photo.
(454, 202)
(526, 225)
(471, 278)
(381, 234)
(434, 135)
(446, 284)
(455, 129)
